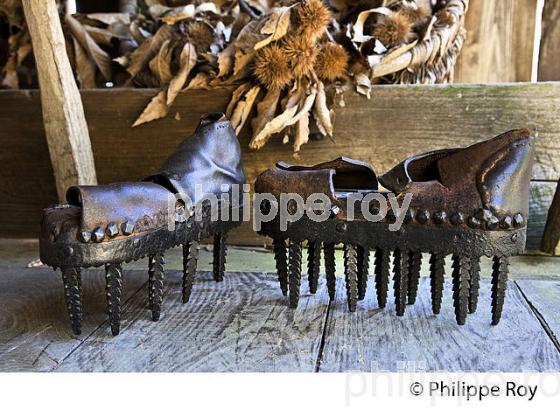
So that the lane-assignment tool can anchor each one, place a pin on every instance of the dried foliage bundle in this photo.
(290, 60)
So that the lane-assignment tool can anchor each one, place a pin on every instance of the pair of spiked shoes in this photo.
(465, 202)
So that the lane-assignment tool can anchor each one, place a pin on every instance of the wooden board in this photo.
(500, 42)
(63, 114)
(544, 297)
(376, 340)
(240, 325)
(397, 122)
(549, 59)
(551, 234)
(35, 332)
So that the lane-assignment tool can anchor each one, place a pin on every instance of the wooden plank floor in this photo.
(244, 324)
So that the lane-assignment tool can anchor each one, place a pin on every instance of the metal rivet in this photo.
(423, 216)
(506, 222)
(85, 236)
(514, 237)
(492, 222)
(457, 218)
(409, 216)
(440, 217)
(518, 220)
(127, 228)
(341, 227)
(98, 234)
(474, 222)
(112, 230)
(335, 210)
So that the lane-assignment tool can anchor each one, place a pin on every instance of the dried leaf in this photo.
(148, 49)
(100, 57)
(359, 36)
(10, 79)
(110, 18)
(290, 116)
(100, 35)
(236, 96)
(363, 84)
(200, 81)
(243, 109)
(160, 65)
(322, 113)
(265, 110)
(187, 62)
(275, 26)
(84, 69)
(178, 13)
(157, 108)
(302, 133)
(225, 60)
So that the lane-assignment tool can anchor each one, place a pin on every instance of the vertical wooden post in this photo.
(63, 113)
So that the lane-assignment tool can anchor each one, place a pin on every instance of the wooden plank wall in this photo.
(549, 56)
(500, 41)
(397, 122)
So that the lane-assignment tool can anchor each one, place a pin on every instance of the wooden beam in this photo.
(500, 40)
(549, 57)
(551, 236)
(63, 115)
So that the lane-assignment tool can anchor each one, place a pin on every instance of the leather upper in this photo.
(210, 158)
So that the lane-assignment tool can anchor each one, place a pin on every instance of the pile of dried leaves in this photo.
(289, 60)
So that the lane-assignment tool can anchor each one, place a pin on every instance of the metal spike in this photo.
(330, 268)
(474, 284)
(461, 282)
(500, 272)
(156, 290)
(351, 275)
(457, 218)
(219, 256)
(363, 271)
(113, 291)
(72, 295)
(294, 268)
(400, 285)
(382, 260)
(313, 265)
(437, 273)
(280, 254)
(518, 220)
(190, 260)
(414, 265)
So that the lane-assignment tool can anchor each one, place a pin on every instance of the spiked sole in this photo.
(71, 257)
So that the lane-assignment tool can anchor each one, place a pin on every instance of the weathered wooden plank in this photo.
(242, 324)
(63, 114)
(372, 339)
(500, 42)
(549, 59)
(35, 333)
(397, 122)
(544, 296)
(551, 235)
